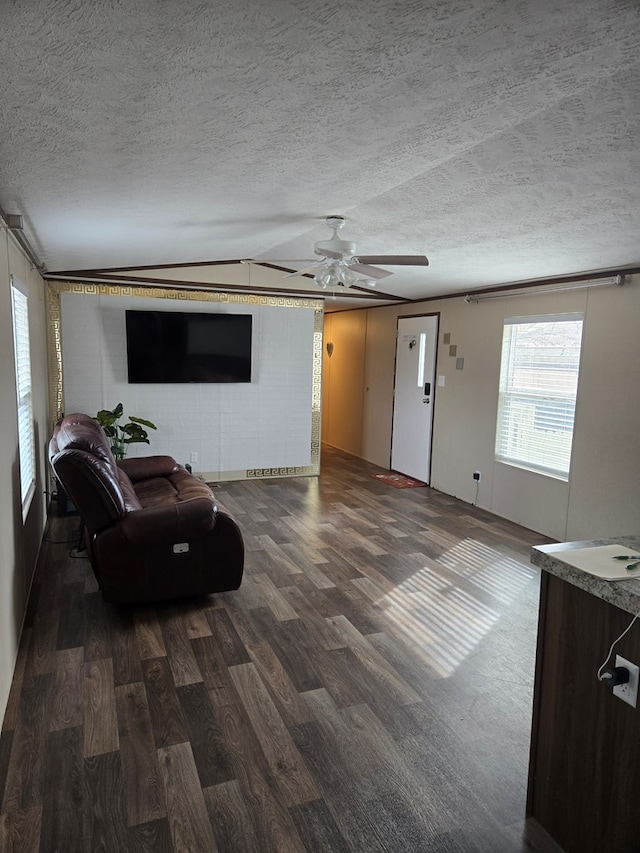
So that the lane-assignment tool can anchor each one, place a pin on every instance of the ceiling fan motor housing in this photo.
(335, 248)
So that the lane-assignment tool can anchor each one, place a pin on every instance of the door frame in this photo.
(435, 314)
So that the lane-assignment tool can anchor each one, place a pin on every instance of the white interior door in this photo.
(413, 398)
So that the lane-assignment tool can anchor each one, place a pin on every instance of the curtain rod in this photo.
(14, 225)
(525, 291)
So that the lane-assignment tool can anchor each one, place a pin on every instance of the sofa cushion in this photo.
(174, 488)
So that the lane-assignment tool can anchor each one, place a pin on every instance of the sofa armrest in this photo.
(148, 467)
(178, 522)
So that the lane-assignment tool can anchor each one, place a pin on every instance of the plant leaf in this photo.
(143, 422)
(121, 436)
(106, 417)
(133, 430)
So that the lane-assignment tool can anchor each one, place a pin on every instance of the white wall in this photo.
(19, 540)
(232, 427)
(602, 497)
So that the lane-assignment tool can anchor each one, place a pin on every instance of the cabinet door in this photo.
(585, 760)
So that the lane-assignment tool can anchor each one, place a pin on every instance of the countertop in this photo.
(624, 594)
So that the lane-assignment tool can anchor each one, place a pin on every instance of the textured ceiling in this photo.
(498, 138)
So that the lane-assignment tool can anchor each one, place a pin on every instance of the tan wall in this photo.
(19, 541)
(603, 496)
(343, 373)
(605, 487)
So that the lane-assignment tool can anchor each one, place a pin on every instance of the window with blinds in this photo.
(22, 352)
(538, 388)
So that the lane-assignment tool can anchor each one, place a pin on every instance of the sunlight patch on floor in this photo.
(502, 577)
(447, 607)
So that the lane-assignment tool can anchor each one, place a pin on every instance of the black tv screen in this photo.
(167, 346)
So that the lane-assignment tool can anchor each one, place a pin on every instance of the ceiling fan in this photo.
(341, 266)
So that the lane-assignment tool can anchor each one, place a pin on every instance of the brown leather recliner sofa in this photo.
(153, 531)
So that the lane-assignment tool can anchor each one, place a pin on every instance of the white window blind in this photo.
(538, 387)
(22, 352)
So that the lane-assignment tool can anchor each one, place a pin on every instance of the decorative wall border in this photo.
(56, 376)
(54, 349)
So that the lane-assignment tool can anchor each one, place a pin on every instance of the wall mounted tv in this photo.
(166, 346)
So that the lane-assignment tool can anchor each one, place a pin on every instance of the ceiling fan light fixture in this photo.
(336, 274)
(328, 277)
(349, 277)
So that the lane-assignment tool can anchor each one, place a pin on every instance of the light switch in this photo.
(440, 381)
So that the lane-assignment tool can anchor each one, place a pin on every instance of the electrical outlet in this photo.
(477, 475)
(194, 457)
(628, 692)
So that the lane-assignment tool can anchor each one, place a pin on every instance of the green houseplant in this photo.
(122, 435)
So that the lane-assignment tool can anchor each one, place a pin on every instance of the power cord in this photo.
(605, 677)
(78, 555)
(79, 552)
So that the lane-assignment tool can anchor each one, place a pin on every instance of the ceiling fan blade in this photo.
(369, 272)
(395, 260)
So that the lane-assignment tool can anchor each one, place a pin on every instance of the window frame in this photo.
(24, 392)
(508, 393)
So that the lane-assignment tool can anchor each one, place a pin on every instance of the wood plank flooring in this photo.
(368, 688)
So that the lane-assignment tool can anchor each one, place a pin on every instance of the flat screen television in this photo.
(167, 346)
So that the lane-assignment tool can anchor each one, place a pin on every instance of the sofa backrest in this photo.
(81, 432)
(82, 461)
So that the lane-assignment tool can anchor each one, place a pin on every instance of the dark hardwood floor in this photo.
(368, 688)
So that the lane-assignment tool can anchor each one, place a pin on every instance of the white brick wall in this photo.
(232, 427)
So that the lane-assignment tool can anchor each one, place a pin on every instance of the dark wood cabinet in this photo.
(584, 779)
